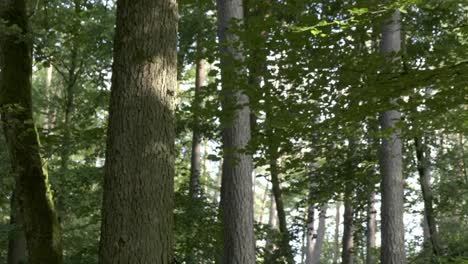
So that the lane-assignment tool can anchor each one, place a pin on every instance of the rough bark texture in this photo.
(393, 242)
(371, 230)
(320, 234)
(32, 189)
(195, 170)
(348, 231)
(17, 249)
(236, 189)
(336, 251)
(424, 169)
(137, 216)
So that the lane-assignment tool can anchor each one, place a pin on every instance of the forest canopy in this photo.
(233, 131)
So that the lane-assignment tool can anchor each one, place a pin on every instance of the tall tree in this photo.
(34, 198)
(348, 231)
(320, 234)
(425, 175)
(393, 242)
(236, 185)
(371, 229)
(195, 165)
(336, 242)
(309, 247)
(137, 214)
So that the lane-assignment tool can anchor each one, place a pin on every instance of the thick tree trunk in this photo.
(424, 169)
(336, 251)
(348, 232)
(393, 242)
(137, 216)
(17, 249)
(320, 234)
(32, 188)
(195, 171)
(236, 189)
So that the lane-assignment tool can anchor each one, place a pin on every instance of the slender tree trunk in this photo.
(320, 234)
(47, 120)
(34, 198)
(348, 231)
(336, 251)
(17, 249)
(137, 216)
(69, 102)
(424, 169)
(371, 230)
(310, 230)
(285, 248)
(273, 224)
(393, 242)
(264, 203)
(236, 189)
(200, 76)
(218, 183)
(462, 156)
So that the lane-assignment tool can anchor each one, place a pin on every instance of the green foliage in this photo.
(316, 82)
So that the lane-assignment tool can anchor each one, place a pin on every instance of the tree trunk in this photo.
(273, 225)
(285, 248)
(34, 198)
(336, 251)
(17, 249)
(348, 231)
(424, 169)
(236, 189)
(310, 230)
(195, 171)
(393, 242)
(47, 120)
(137, 216)
(320, 234)
(371, 230)
(264, 203)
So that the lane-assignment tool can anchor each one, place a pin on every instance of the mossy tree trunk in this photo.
(34, 198)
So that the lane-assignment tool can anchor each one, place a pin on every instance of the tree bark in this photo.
(336, 251)
(17, 249)
(195, 171)
(348, 231)
(320, 234)
(371, 230)
(236, 189)
(273, 224)
(34, 198)
(47, 120)
(393, 242)
(285, 248)
(424, 170)
(310, 230)
(137, 215)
